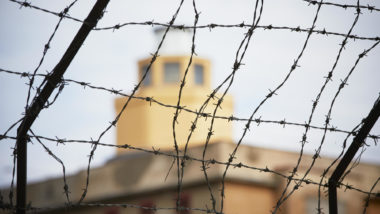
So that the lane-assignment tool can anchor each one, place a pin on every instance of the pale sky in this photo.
(108, 58)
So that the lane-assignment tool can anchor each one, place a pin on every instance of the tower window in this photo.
(171, 73)
(198, 74)
(148, 78)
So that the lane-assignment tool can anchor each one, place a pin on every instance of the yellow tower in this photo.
(146, 124)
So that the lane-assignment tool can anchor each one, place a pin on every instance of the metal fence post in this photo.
(38, 102)
(358, 141)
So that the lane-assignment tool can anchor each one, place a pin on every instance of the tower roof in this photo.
(177, 41)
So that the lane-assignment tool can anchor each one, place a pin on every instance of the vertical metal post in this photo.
(21, 173)
(358, 141)
(38, 102)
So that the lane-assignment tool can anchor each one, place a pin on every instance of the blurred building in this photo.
(149, 179)
(147, 124)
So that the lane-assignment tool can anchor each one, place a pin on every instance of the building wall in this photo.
(165, 200)
(374, 206)
(147, 124)
(137, 178)
(243, 198)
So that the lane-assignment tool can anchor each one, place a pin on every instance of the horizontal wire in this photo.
(344, 6)
(206, 26)
(258, 121)
(158, 151)
(293, 178)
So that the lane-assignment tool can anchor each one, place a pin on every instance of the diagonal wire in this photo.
(184, 108)
(65, 186)
(181, 168)
(315, 103)
(113, 123)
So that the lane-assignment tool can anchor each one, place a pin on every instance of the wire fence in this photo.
(37, 100)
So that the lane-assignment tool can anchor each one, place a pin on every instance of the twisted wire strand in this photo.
(211, 161)
(150, 100)
(181, 157)
(113, 123)
(327, 121)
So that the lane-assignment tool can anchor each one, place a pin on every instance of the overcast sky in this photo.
(108, 58)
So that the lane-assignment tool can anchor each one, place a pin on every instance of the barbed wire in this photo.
(237, 63)
(328, 117)
(293, 67)
(284, 197)
(208, 162)
(181, 168)
(30, 86)
(92, 205)
(239, 25)
(209, 26)
(113, 123)
(344, 6)
(65, 186)
(151, 100)
(180, 157)
(369, 195)
(27, 4)
(46, 48)
(324, 174)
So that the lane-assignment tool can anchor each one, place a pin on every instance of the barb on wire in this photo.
(158, 151)
(180, 159)
(34, 209)
(198, 113)
(46, 48)
(181, 167)
(357, 142)
(59, 14)
(368, 198)
(41, 98)
(241, 25)
(316, 155)
(32, 77)
(191, 158)
(65, 186)
(284, 197)
(11, 188)
(293, 67)
(237, 64)
(344, 6)
(113, 123)
(324, 174)
(206, 26)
